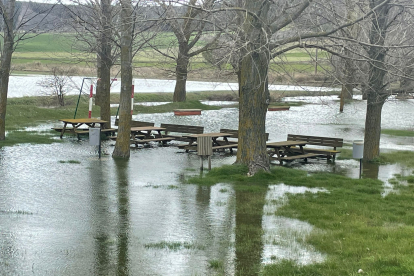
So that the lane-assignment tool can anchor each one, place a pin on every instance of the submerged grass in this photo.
(357, 228)
(175, 246)
(29, 137)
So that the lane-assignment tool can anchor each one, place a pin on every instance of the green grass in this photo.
(355, 226)
(397, 132)
(29, 137)
(58, 48)
(48, 42)
(31, 111)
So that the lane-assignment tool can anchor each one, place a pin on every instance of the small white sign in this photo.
(94, 136)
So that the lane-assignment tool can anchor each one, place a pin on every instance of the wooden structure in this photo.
(323, 142)
(181, 131)
(77, 123)
(187, 112)
(283, 151)
(145, 135)
(204, 148)
(192, 144)
(278, 108)
(228, 143)
(136, 123)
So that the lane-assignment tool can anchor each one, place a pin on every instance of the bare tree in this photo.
(122, 146)
(189, 22)
(95, 24)
(58, 83)
(270, 29)
(12, 20)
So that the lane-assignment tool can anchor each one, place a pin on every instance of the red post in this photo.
(90, 101)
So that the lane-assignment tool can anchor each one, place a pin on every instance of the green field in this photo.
(53, 49)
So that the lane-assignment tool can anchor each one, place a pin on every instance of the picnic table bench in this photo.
(283, 151)
(180, 133)
(230, 144)
(107, 131)
(324, 142)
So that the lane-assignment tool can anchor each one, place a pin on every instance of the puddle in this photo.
(284, 237)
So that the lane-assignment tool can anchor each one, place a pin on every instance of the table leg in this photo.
(63, 130)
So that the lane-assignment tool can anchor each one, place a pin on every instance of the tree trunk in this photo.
(254, 94)
(106, 63)
(376, 95)
(6, 55)
(122, 146)
(181, 72)
(372, 128)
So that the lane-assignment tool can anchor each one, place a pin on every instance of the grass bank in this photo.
(355, 227)
(32, 111)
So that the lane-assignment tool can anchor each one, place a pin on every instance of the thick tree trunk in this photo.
(6, 55)
(122, 146)
(372, 128)
(181, 72)
(376, 95)
(254, 93)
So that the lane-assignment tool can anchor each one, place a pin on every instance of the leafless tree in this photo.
(122, 146)
(96, 25)
(17, 23)
(58, 83)
(265, 30)
(190, 23)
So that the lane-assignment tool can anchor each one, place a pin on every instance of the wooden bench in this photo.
(68, 129)
(301, 156)
(106, 131)
(231, 143)
(334, 143)
(136, 123)
(146, 141)
(182, 130)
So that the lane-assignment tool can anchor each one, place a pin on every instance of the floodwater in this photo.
(63, 211)
(18, 86)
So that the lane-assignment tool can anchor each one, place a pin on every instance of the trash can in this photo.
(358, 149)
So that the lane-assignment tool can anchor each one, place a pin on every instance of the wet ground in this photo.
(65, 212)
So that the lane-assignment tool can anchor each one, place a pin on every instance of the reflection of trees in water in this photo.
(249, 243)
(123, 213)
(111, 232)
(370, 170)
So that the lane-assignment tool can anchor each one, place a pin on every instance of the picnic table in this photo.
(283, 151)
(76, 123)
(214, 136)
(146, 134)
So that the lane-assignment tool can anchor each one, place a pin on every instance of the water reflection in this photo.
(123, 213)
(249, 242)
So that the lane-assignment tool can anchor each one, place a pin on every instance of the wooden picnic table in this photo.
(283, 150)
(213, 135)
(145, 134)
(147, 131)
(76, 123)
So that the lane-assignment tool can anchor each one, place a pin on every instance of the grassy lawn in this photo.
(355, 227)
(57, 49)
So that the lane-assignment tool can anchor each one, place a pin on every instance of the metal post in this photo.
(360, 168)
(201, 164)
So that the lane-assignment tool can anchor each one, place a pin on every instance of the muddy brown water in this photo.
(65, 212)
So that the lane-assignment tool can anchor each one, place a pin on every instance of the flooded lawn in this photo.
(65, 212)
